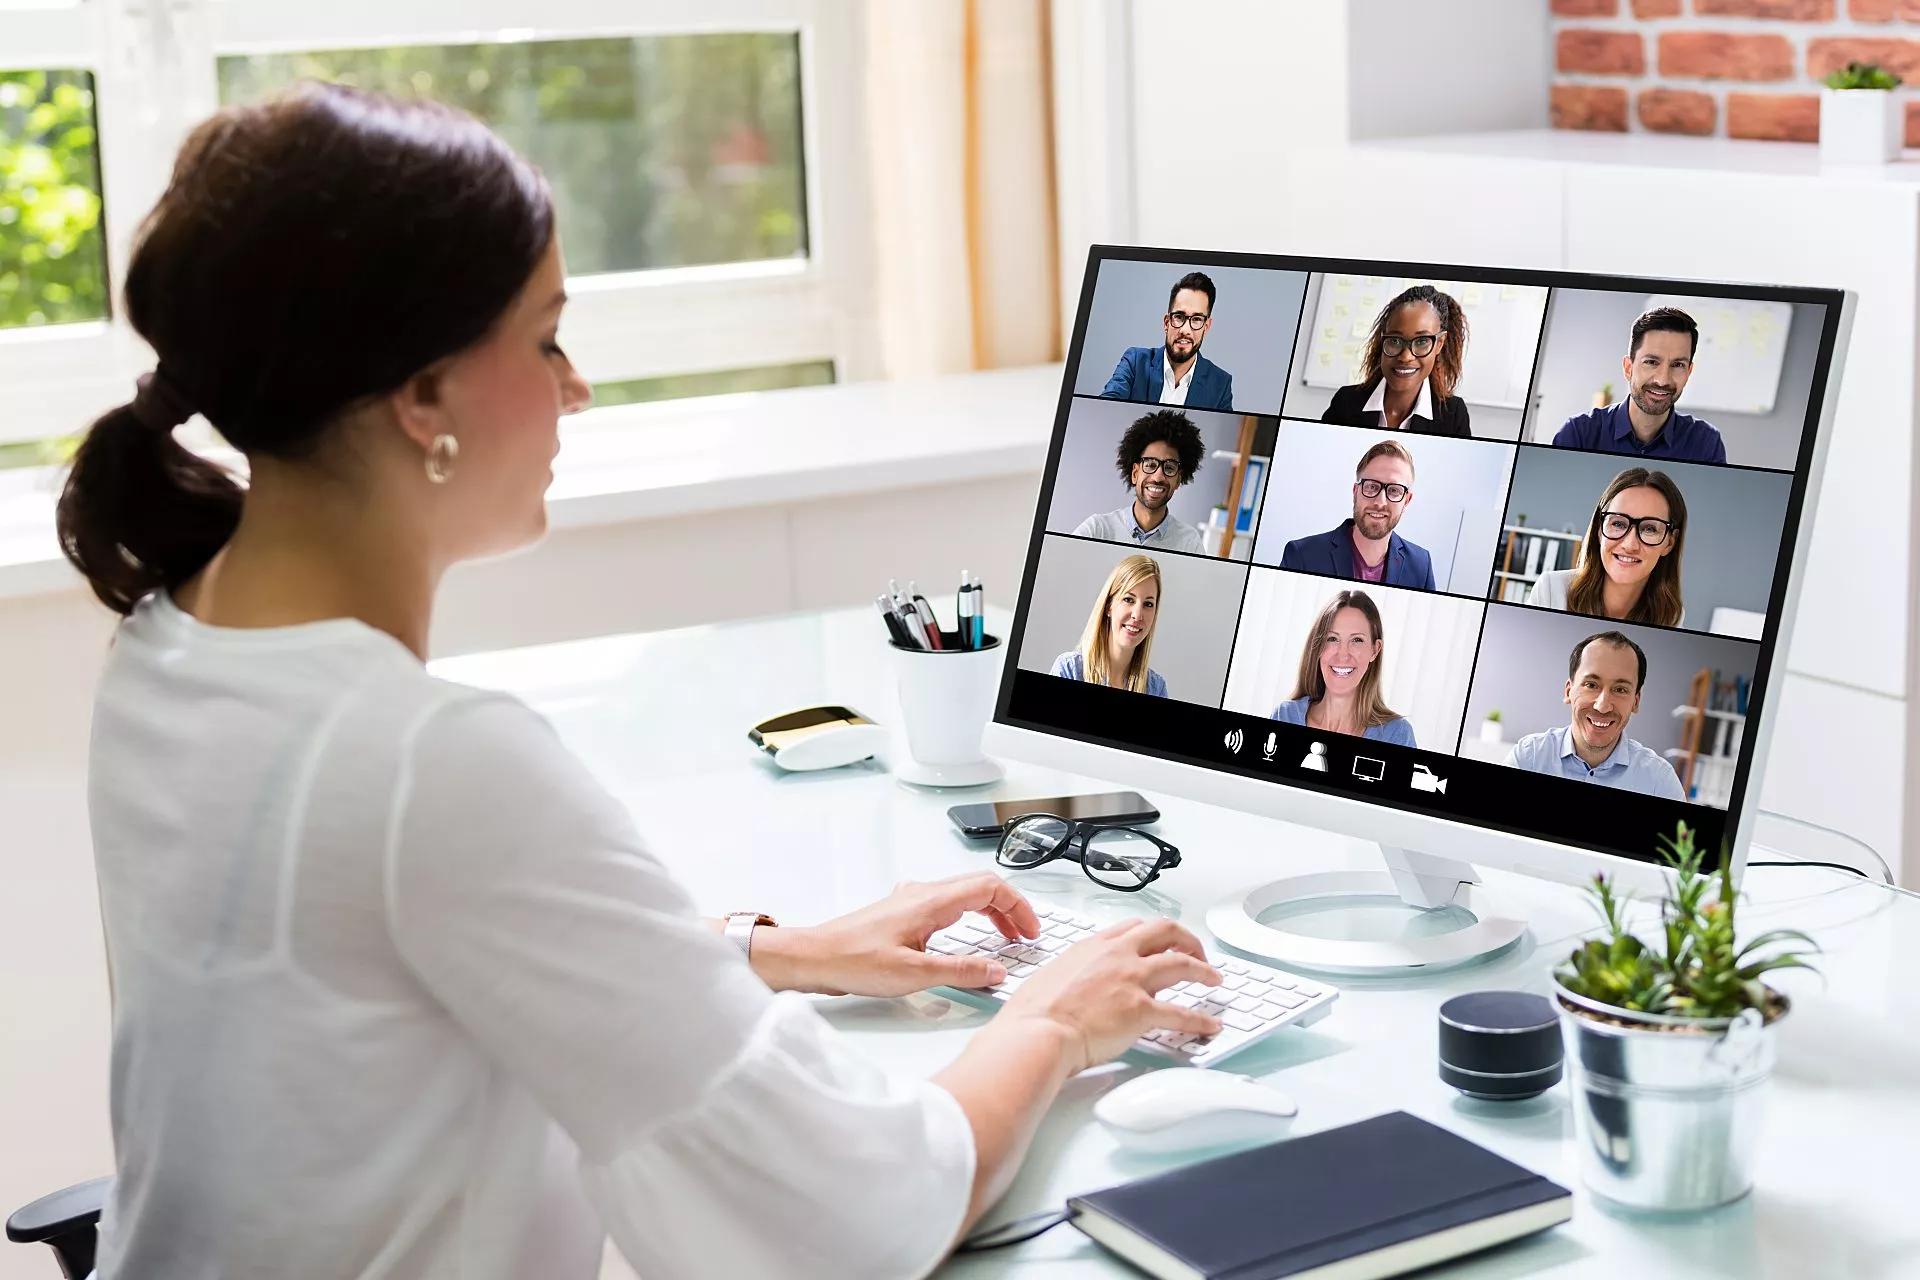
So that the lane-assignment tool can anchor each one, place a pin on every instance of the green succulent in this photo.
(1701, 970)
(1863, 75)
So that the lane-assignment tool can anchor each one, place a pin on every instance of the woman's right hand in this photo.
(1102, 991)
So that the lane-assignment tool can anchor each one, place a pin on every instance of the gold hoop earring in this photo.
(441, 455)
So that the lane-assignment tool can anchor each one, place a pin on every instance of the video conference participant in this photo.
(1658, 362)
(1118, 638)
(445, 1011)
(1413, 359)
(1605, 674)
(1629, 567)
(1175, 372)
(1338, 688)
(1365, 546)
(1160, 452)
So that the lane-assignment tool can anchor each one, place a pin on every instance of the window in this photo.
(53, 260)
(708, 247)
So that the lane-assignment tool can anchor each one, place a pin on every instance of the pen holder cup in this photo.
(946, 699)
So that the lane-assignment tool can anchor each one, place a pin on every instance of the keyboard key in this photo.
(1267, 1012)
(1193, 1048)
(1258, 990)
(1232, 982)
(1233, 966)
(1242, 1021)
(1245, 1003)
(1287, 1000)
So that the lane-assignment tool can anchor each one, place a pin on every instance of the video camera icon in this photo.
(1425, 779)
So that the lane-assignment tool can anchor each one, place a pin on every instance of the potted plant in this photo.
(1490, 727)
(1604, 396)
(1861, 122)
(1669, 1045)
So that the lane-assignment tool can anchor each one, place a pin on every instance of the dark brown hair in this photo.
(1660, 599)
(310, 252)
(1665, 320)
(1453, 322)
(1617, 638)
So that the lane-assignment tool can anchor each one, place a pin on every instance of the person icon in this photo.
(1316, 760)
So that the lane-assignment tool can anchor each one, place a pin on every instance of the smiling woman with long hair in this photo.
(1118, 638)
(1413, 359)
(1338, 686)
(1629, 566)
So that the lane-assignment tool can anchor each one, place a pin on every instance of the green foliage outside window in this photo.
(663, 151)
(53, 261)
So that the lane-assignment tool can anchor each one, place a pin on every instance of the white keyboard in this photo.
(1252, 1001)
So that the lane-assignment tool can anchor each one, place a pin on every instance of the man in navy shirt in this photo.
(1645, 424)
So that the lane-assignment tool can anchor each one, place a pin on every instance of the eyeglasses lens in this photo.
(1121, 859)
(1031, 841)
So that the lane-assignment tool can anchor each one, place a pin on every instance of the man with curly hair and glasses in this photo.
(1176, 373)
(1160, 452)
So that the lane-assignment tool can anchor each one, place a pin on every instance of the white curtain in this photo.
(1427, 657)
(959, 126)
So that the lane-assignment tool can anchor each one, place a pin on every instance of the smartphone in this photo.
(990, 818)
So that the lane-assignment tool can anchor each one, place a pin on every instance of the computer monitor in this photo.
(1491, 566)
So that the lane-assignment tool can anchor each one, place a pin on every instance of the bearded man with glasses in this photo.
(1365, 547)
(1175, 372)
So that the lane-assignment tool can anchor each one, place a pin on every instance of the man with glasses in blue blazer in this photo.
(1365, 548)
(1175, 372)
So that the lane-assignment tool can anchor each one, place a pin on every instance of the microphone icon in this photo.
(1272, 745)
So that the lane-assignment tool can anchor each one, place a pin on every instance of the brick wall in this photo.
(1730, 68)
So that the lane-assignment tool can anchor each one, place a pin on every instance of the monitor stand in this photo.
(1416, 879)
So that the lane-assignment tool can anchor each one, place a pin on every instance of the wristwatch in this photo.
(740, 927)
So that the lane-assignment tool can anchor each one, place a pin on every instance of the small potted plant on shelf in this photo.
(1861, 122)
(1668, 1045)
(1490, 727)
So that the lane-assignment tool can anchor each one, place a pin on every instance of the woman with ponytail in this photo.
(398, 990)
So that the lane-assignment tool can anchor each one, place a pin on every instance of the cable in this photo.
(1804, 862)
(980, 1241)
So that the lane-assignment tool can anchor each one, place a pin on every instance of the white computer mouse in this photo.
(1185, 1108)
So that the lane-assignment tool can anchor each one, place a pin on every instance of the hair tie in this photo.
(159, 403)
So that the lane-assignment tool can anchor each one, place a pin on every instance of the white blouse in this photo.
(398, 992)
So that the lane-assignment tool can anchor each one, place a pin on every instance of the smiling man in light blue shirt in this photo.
(1605, 673)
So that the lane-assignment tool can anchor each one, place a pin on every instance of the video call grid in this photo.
(1257, 532)
(1261, 544)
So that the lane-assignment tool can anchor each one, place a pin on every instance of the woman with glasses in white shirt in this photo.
(1629, 565)
(398, 989)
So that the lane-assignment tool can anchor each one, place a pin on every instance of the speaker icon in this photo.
(1235, 740)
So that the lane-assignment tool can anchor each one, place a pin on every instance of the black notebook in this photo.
(1378, 1198)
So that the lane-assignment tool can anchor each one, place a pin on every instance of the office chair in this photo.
(65, 1222)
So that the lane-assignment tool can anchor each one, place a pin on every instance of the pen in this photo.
(895, 628)
(925, 610)
(963, 609)
(979, 616)
(915, 627)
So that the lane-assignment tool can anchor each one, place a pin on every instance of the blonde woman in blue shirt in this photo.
(1338, 688)
(1119, 637)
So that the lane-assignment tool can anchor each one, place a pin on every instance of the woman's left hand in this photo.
(880, 950)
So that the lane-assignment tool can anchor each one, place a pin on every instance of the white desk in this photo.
(662, 720)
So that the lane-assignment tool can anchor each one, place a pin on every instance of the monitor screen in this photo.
(1504, 547)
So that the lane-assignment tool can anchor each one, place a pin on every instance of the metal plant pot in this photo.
(1666, 1110)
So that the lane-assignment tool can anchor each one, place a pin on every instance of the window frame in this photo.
(155, 76)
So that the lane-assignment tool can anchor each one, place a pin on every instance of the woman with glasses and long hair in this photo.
(398, 989)
(1412, 361)
(1629, 565)
(1338, 686)
(1118, 638)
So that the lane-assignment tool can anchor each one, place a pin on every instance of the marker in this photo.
(963, 606)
